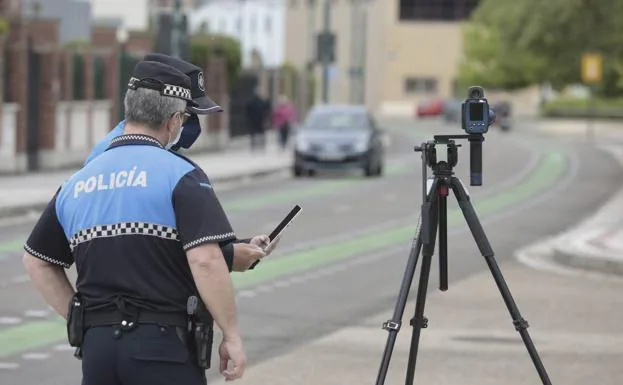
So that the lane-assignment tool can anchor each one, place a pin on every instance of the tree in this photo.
(537, 41)
(488, 59)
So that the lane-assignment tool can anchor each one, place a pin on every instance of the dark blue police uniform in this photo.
(204, 105)
(126, 220)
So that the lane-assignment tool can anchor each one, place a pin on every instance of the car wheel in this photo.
(379, 169)
(369, 169)
(297, 172)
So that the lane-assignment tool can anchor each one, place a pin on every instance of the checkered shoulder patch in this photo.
(125, 228)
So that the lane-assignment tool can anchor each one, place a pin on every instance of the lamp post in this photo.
(175, 29)
(122, 38)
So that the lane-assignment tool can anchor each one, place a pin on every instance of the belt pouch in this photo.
(75, 321)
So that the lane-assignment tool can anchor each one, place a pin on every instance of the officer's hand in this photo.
(231, 350)
(263, 241)
(245, 254)
(260, 240)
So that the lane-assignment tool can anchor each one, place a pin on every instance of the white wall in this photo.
(8, 138)
(258, 24)
(134, 13)
(79, 126)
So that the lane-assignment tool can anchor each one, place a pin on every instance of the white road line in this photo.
(63, 348)
(10, 320)
(36, 356)
(341, 209)
(8, 365)
(20, 279)
(247, 294)
(281, 284)
(36, 313)
(264, 289)
(296, 279)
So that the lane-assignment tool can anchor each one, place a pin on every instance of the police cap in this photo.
(205, 105)
(163, 78)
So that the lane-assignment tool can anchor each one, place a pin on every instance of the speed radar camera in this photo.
(476, 116)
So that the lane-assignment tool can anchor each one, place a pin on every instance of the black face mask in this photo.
(190, 133)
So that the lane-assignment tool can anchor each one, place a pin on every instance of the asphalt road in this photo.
(343, 260)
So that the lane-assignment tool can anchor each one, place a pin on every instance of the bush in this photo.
(204, 46)
(4, 26)
(599, 108)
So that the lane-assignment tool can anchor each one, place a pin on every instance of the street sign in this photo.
(591, 68)
(325, 47)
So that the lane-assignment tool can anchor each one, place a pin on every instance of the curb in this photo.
(573, 249)
(576, 254)
(20, 211)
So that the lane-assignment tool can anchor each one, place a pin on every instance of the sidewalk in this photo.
(596, 244)
(22, 193)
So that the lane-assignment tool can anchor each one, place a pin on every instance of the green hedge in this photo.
(583, 108)
(203, 46)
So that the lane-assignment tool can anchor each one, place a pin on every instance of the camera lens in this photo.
(475, 93)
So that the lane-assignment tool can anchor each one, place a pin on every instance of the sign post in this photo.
(592, 64)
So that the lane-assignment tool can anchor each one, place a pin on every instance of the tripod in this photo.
(434, 220)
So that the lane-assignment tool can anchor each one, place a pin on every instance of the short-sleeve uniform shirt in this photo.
(126, 220)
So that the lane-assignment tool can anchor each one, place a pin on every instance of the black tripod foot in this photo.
(421, 322)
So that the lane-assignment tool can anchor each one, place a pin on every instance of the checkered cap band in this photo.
(125, 228)
(169, 90)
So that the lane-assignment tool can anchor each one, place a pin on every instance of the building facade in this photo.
(258, 24)
(390, 54)
(74, 17)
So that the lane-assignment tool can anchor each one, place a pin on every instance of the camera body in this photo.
(476, 116)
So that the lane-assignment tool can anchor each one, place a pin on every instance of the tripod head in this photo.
(476, 118)
(445, 168)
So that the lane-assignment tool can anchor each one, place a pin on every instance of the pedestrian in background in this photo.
(258, 111)
(284, 118)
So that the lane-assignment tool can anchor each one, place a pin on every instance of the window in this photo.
(204, 27)
(267, 25)
(415, 85)
(239, 24)
(440, 10)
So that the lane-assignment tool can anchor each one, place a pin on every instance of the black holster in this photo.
(75, 324)
(75, 321)
(201, 328)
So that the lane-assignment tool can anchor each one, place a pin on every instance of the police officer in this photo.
(143, 227)
(240, 254)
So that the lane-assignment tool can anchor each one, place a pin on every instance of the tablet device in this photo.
(278, 231)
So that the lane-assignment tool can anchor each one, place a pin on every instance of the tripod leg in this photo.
(393, 325)
(521, 325)
(418, 322)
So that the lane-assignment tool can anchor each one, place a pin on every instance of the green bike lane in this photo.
(550, 168)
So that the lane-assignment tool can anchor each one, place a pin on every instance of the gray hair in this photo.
(148, 107)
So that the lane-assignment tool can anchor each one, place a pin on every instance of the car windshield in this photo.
(336, 121)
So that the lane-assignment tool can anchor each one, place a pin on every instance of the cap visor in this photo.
(205, 106)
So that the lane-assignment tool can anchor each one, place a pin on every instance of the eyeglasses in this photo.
(185, 115)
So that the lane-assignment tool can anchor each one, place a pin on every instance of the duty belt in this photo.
(115, 317)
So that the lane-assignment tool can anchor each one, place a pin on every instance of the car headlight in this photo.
(361, 146)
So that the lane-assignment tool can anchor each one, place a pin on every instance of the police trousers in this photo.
(146, 355)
